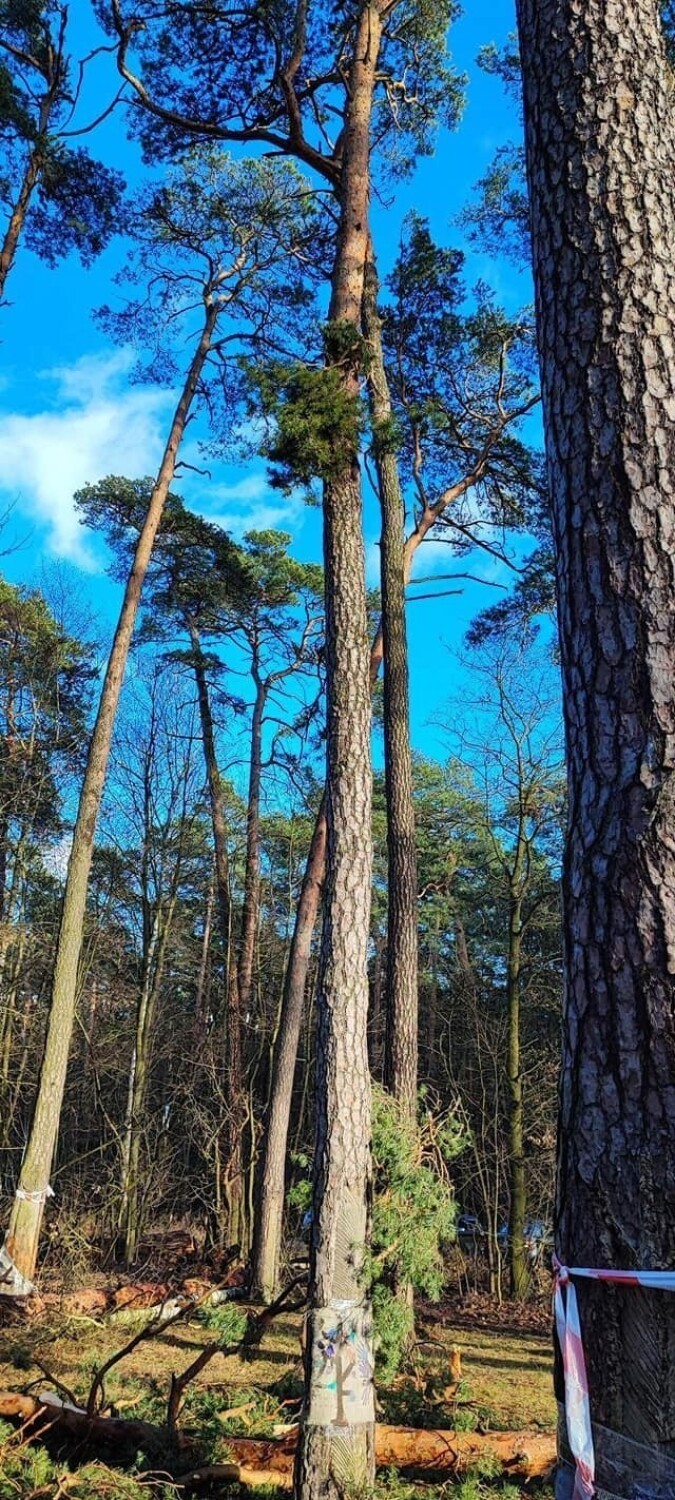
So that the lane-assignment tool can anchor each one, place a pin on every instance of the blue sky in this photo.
(69, 414)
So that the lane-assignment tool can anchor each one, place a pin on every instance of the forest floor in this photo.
(505, 1385)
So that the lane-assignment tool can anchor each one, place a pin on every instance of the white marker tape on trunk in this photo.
(577, 1404)
(38, 1195)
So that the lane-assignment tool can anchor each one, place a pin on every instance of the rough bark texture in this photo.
(337, 1457)
(402, 968)
(599, 128)
(26, 1217)
(269, 1218)
(298, 961)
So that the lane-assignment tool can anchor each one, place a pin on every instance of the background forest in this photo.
(184, 1104)
(291, 880)
(182, 1082)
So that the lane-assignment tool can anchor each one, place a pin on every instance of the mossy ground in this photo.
(506, 1383)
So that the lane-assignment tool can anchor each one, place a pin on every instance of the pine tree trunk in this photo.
(600, 149)
(336, 1452)
(298, 962)
(269, 1218)
(31, 177)
(402, 964)
(26, 1217)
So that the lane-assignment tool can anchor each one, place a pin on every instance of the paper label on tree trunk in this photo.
(341, 1393)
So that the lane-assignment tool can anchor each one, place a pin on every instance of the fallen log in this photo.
(255, 1462)
(109, 1432)
(519, 1455)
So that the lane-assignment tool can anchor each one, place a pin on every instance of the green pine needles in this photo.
(314, 416)
(414, 1215)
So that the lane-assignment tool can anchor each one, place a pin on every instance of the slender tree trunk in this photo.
(518, 1270)
(600, 149)
(375, 1017)
(18, 215)
(431, 1027)
(308, 909)
(218, 824)
(139, 1078)
(402, 960)
(26, 1217)
(267, 1240)
(266, 1266)
(231, 1156)
(251, 907)
(9, 973)
(336, 1452)
(201, 1015)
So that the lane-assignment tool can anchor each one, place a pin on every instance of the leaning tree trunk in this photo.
(336, 1453)
(600, 131)
(402, 968)
(26, 1217)
(31, 177)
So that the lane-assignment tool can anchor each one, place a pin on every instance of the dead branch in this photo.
(255, 1328)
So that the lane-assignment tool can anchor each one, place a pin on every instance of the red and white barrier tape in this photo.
(577, 1405)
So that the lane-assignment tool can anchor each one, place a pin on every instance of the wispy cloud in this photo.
(250, 504)
(92, 423)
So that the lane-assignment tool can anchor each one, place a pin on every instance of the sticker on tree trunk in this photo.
(341, 1393)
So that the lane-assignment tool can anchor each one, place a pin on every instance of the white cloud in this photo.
(93, 423)
(250, 504)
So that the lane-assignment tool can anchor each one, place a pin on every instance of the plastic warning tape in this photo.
(577, 1404)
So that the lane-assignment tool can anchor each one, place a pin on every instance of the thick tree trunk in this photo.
(26, 1217)
(402, 966)
(600, 149)
(267, 1241)
(336, 1453)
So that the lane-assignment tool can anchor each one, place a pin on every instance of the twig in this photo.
(58, 1384)
(253, 1333)
(157, 1325)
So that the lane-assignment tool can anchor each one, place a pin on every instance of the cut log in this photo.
(519, 1455)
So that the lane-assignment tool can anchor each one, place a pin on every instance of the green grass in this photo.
(506, 1384)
